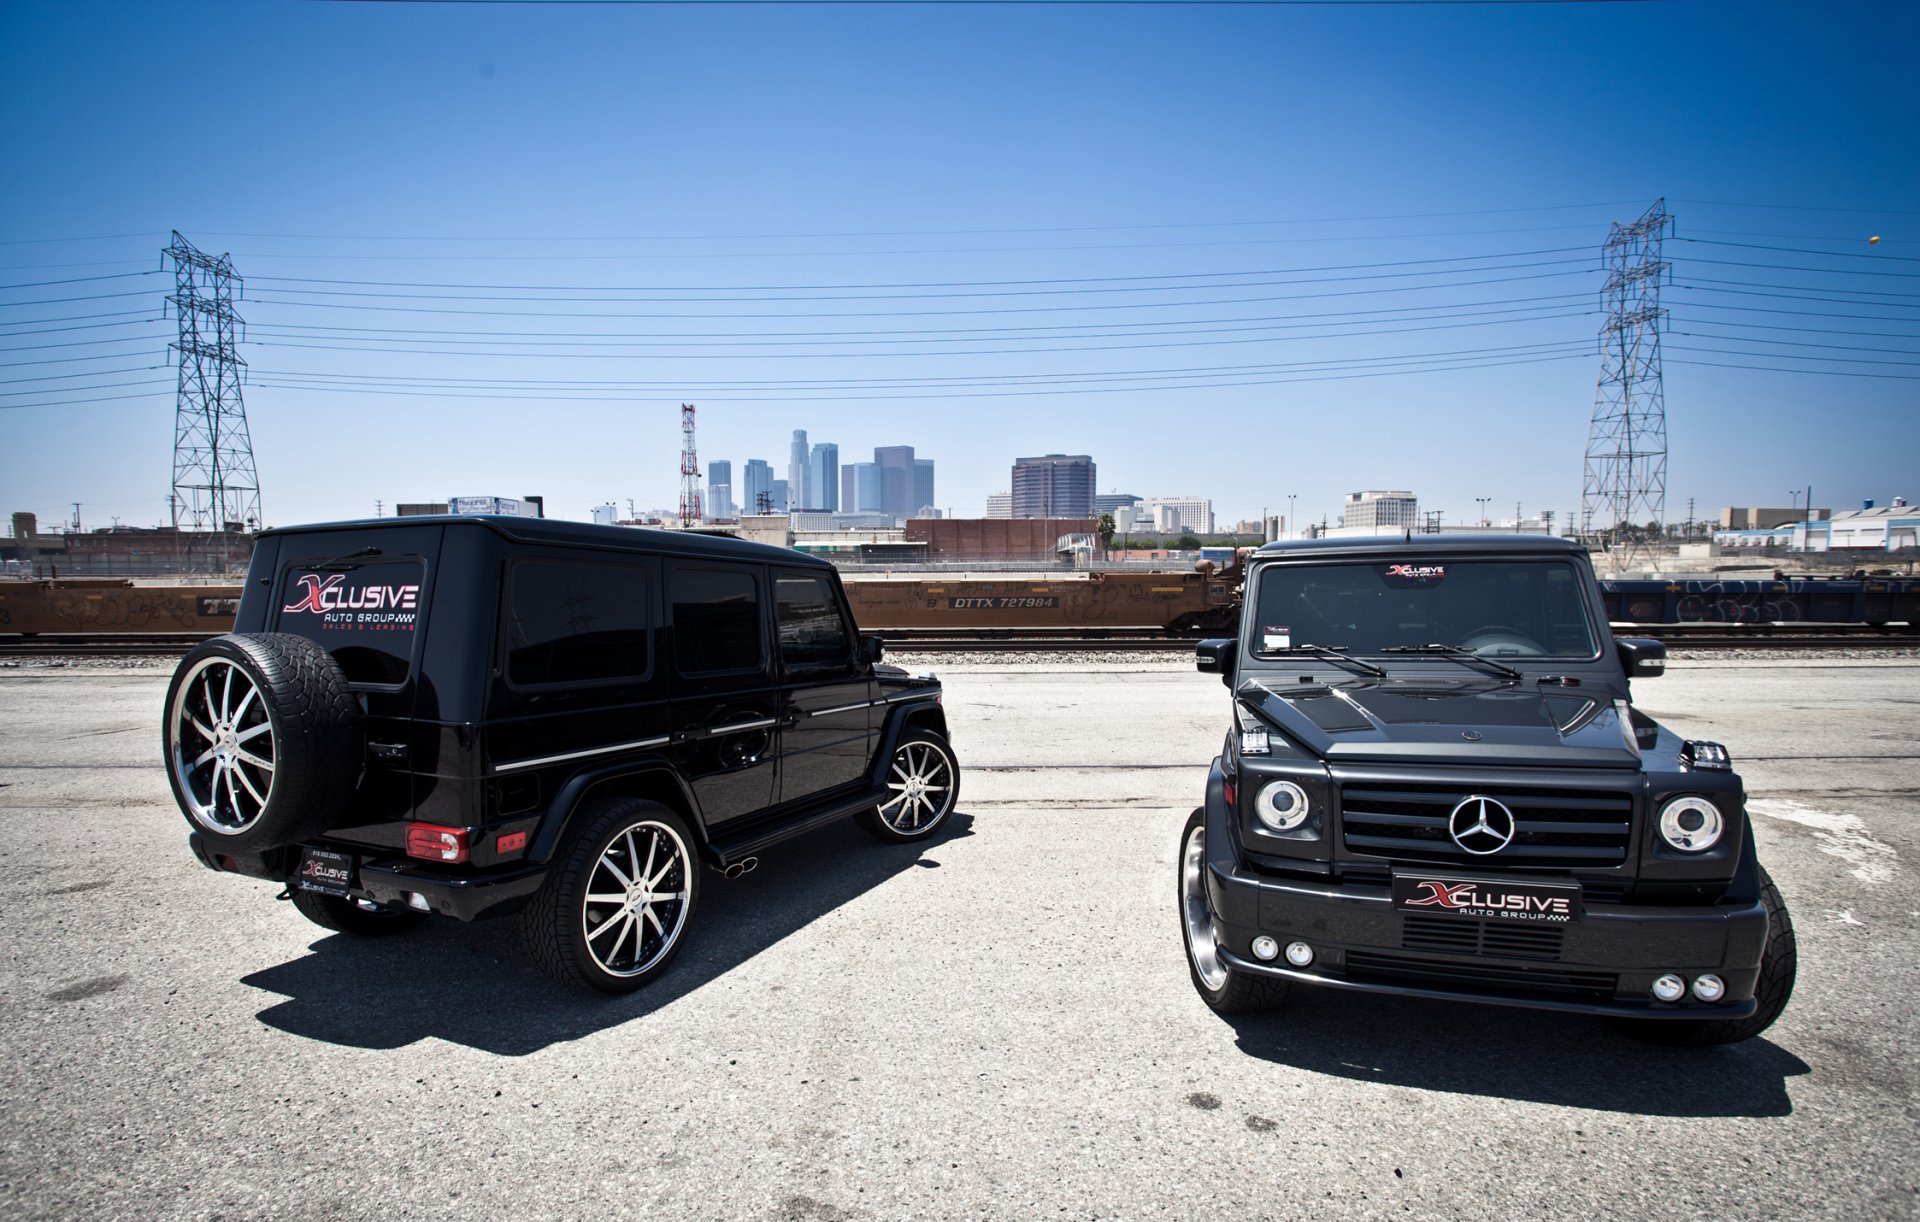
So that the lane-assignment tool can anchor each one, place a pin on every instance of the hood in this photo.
(1438, 722)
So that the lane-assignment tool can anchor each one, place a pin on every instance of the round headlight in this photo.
(1690, 824)
(1282, 806)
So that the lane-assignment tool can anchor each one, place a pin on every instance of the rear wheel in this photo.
(1224, 989)
(344, 915)
(614, 910)
(1779, 963)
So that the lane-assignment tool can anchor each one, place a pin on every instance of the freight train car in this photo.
(107, 604)
(1824, 600)
(1179, 603)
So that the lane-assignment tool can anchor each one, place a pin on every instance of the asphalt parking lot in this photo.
(997, 1024)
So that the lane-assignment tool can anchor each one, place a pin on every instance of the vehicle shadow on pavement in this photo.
(472, 985)
(1566, 1059)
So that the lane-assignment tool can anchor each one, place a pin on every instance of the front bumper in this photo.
(393, 881)
(1605, 963)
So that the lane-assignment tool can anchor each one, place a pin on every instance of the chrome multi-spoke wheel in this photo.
(636, 901)
(615, 905)
(1226, 989)
(221, 746)
(1203, 949)
(923, 783)
(262, 740)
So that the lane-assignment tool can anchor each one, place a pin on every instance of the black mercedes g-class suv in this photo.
(480, 715)
(1436, 785)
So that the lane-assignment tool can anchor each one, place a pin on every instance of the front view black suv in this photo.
(475, 716)
(1435, 785)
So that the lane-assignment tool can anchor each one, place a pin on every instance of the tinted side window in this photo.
(813, 636)
(716, 621)
(577, 623)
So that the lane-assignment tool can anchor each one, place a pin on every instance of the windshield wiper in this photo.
(1332, 653)
(1465, 655)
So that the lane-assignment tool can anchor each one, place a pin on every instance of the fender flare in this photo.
(566, 804)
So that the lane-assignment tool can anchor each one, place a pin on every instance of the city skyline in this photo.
(1268, 254)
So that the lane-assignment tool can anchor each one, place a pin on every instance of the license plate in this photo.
(1521, 901)
(324, 870)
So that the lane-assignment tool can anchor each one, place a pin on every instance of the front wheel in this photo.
(351, 916)
(1225, 990)
(923, 784)
(1779, 963)
(614, 910)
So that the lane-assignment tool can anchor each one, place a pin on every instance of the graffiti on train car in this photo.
(82, 605)
(1868, 600)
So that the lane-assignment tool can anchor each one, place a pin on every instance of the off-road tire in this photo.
(909, 816)
(557, 925)
(1226, 990)
(312, 737)
(343, 915)
(1779, 962)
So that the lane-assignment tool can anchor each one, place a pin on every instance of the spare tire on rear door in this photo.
(263, 740)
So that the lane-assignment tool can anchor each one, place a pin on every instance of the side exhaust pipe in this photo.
(744, 866)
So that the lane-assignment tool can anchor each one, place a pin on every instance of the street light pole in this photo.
(1291, 529)
(1483, 510)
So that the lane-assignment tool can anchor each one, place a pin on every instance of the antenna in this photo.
(689, 470)
(216, 489)
(1626, 469)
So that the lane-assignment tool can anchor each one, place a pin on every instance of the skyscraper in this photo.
(720, 490)
(782, 496)
(896, 480)
(860, 488)
(756, 484)
(797, 472)
(824, 478)
(1053, 486)
(922, 484)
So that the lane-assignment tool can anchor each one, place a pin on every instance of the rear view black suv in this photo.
(1435, 785)
(475, 716)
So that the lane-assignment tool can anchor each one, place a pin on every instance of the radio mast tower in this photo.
(689, 470)
(215, 487)
(1626, 471)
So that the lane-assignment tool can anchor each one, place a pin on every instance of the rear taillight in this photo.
(431, 842)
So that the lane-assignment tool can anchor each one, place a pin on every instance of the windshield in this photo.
(1492, 608)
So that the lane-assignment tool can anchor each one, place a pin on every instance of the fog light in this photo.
(1299, 954)
(1265, 948)
(1669, 988)
(1709, 987)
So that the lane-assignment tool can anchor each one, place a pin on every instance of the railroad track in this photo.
(1703, 637)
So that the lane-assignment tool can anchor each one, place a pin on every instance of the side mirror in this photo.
(1216, 657)
(1642, 658)
(872, 649)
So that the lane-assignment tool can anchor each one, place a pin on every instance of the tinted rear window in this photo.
(367, 616)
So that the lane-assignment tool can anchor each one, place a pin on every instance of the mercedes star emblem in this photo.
(1481, 825)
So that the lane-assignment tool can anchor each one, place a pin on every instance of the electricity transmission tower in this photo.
(689, 470)
(1626, 470)
(215, 488)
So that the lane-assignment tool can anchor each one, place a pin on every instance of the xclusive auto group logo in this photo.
(369, 605)
(1482, 899)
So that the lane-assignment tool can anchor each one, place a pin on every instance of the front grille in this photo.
(1570, 828)
(1482, 977)
(1500, 939)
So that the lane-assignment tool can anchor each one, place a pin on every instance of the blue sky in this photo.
(490, 249)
